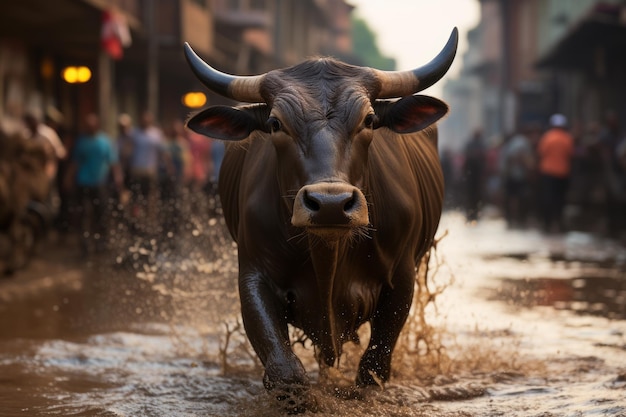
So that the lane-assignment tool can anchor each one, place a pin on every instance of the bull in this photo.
(333, 193)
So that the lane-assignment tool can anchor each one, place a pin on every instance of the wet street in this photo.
(522, 324)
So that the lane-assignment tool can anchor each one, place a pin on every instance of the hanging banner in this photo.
(115, 34)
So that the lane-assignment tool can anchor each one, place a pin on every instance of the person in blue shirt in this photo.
(147, 153)
(93, 161)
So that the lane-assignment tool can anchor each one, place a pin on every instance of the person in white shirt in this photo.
(37, 130)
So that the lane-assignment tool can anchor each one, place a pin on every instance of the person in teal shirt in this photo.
(94, 160)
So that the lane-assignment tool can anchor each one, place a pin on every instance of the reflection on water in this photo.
(152, 332)
(602, 296)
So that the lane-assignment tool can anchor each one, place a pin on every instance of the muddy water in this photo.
(522, 325)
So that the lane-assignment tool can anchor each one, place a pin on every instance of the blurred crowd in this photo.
(145, 177)
(562, 177)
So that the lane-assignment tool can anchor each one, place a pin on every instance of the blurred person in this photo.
(589, 185)
(147, 150)
(124, 144)
(54, 119)
(39, 131)
(620, 208)
(23, 187)
(582, 179)
(12, 120)
(179, 132)
(93, 159)
(211, 185)
(201, 167)
(217, 154)
(555, 151)
(449, 176)
(621, 154)
(172, 173)
(535, 131)
(493, 187)
(473, 174)
(613, 175)
(516, 165)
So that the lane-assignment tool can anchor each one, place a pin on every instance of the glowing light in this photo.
(194, 99)
(47, 68)
(76, 75)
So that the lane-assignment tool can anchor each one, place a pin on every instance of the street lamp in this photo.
(194, 99)
(76, 74)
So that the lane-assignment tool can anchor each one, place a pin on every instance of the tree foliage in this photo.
(365, 46)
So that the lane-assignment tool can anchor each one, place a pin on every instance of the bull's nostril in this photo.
(349, 205)
(310, 203)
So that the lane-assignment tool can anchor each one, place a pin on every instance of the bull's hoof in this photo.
(367, 378)
(285, 374)
(374, 368)
(290, 386)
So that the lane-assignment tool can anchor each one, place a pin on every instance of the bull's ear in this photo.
(228, 123)
(409, 114)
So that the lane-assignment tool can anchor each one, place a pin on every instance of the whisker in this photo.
(315, 242)
(300, 236)
(290, 194)
(360, 233)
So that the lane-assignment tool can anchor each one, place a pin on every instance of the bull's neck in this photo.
(324, 255)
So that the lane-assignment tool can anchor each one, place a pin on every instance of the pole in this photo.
(152, 79)
(105, 91)
(504, 67)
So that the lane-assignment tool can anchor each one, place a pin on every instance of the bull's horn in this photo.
(405, 83)
(246, 89)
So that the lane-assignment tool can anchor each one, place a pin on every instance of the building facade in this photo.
(533, 58)
(39, 39)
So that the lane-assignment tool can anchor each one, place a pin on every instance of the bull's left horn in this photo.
(246, 89)
(405, 83)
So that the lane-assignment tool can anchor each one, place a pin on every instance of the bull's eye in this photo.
(369, 121)
(273, 124)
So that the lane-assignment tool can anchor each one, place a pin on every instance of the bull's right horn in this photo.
(239, 88)
(405, 83)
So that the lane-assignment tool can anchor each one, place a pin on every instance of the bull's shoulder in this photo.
(405, 187)
(252, 202)
(409, 160)
(230, 176)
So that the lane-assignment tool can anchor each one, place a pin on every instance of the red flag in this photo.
(115, 34)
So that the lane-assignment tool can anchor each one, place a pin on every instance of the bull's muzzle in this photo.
(330, 205)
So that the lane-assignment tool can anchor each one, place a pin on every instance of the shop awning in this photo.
(597, 37)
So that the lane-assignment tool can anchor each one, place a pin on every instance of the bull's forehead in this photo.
(325, 72)
(321, 90)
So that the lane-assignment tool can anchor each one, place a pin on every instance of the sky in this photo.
(414, 31)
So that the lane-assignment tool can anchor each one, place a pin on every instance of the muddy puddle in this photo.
(522, 325)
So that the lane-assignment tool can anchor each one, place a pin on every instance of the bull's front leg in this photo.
(265, 320)
(386, 324)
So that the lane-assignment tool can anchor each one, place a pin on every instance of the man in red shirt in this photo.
(555, 151)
